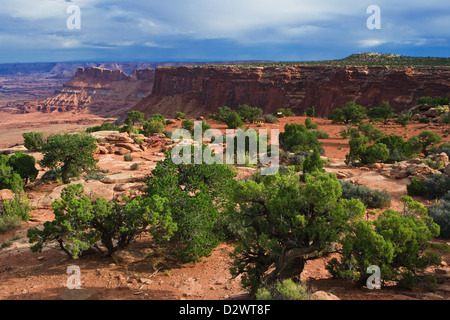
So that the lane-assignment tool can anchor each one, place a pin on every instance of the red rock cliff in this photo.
(100, 91)
(201, 90)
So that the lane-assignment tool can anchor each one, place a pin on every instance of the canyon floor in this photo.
(141, 272)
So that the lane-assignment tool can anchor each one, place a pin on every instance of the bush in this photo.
(440, 212)
(193, 212)
(310, 124)
(153, 126)
(381, 113)
(79, 224)
(234, 121)
(283, 290)
(222, 114)
(187, 125)
(428, 139)
(127, 158)
(106, 126)
(73, 153)
(320, 134)
(349, 133)
(275, 214)
(398, 245)
(249, 114)
(437, 186)
(24, 165)
(404, 119)
(270, 118)
(52, 175)
(297, 138)
(370, 131)
(311, 112)
(34, 141)
(375, 199)
(351, 112)
(180, 115)
(14, 211)
(8, 178)
(445, 118)
(134, 166)
(416, 187)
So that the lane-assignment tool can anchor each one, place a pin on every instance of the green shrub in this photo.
(152, 127)
(370, 131)
(52, 175)
(249, 114)
(193, 212)
(79, 224)
(375, 199)
(127, 158)
(94, 175)
(310, 124)
(381, 113)
(398, 245)
(180, 115)
(34, 141)
(320, 134)
(440, 212)
(437, 186)
(187, 125)
(445, 118)
(349, 132)
(167, 133)
(24, 165)
(8, 178)
(283, 290)
(14, 211)
(351, 112)
(311, 112)
(73, 153)
(106, 126)
(270, 118)
(416, 187)
(403, 119)
(134, 166)
(234, 121)
(275, 213)
(296, 137)
(222, 114)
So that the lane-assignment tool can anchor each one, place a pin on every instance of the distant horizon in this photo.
(209, 60)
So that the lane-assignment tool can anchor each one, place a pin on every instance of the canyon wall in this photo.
(109, 93)
(201, 90)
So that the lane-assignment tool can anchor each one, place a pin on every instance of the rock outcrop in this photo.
(200, 90)
(100, 91)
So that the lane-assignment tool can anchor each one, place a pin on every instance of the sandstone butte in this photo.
(109, 93)
(200, 90)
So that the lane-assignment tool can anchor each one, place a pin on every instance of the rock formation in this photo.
(100, 91)
(200, 90)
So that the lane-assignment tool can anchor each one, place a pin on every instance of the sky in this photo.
(226, 30)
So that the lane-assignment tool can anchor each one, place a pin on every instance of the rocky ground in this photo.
(141, 272)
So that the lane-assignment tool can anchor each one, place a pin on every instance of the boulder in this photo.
(118, 137)
(447, 170)
(323, 295)
(433, 113)
(129, 146)
(6, 194)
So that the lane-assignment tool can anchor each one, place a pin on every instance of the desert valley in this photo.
(98, 99)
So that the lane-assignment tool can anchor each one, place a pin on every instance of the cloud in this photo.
(243, 28)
